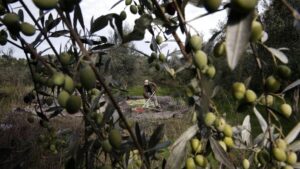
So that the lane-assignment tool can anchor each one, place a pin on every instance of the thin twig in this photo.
(138, 51)
(294, 12)
(181, 17)
(175, 35)
(14, 44)
(25, 45)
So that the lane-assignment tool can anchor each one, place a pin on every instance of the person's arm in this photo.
(153, 86)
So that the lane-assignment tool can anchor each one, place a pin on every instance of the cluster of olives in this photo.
(114, 140)
(154, 56)
(284, 108)
(249, 96)
(51, 77)
(224, 129)
(51, 142)
(273, 82)
(65, 98)
(198, 158)
(282, 154)
(134, 9)
(200, 57)
(72, 103)
(241, 93)
(13, 23)
(135, 160)
(161, 57)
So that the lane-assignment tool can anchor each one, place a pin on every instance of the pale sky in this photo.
(97, 8)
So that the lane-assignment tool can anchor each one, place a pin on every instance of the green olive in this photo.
(279, 154)
(209, 118)
(73, 104)
(200, 59)
(45, 4)
(133, 9)
(286, 110)
(196, 42)
(212, 5)
(256, 31)
(87, 77)
(243, 6)
(27, 29)
(220, 49)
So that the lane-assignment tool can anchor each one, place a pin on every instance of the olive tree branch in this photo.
(294, 12)
(33, 52)
(175, 35)
(14, 44)
(99, 78)
(43, 31)
(181, 17)
(75, 36)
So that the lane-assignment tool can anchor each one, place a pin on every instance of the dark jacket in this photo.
(149, 89)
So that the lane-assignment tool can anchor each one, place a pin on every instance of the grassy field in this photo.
(12, 97)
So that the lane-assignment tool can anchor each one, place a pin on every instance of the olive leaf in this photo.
(103, 46)
(100, 23)
(109, 111)
(292, 85)
(177, 150)
(220, 154)
(171, 71)
(156, 136)
(78, 16)
(261, 120)
(237, 36)
(297, 165)
(147, 3)
(119, 25)
(246, 132)
(59, 33)
(293, 134)
(21, 15)
(50, 23)
(295, 146)
(138, 33)
(140, 136)
(278, 54)
(117, 3)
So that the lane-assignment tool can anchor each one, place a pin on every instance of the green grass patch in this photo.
(12, 97)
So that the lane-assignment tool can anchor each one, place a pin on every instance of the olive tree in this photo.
(72, 78)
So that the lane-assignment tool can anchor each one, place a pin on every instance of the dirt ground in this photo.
(169, 108)
(20, 146)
